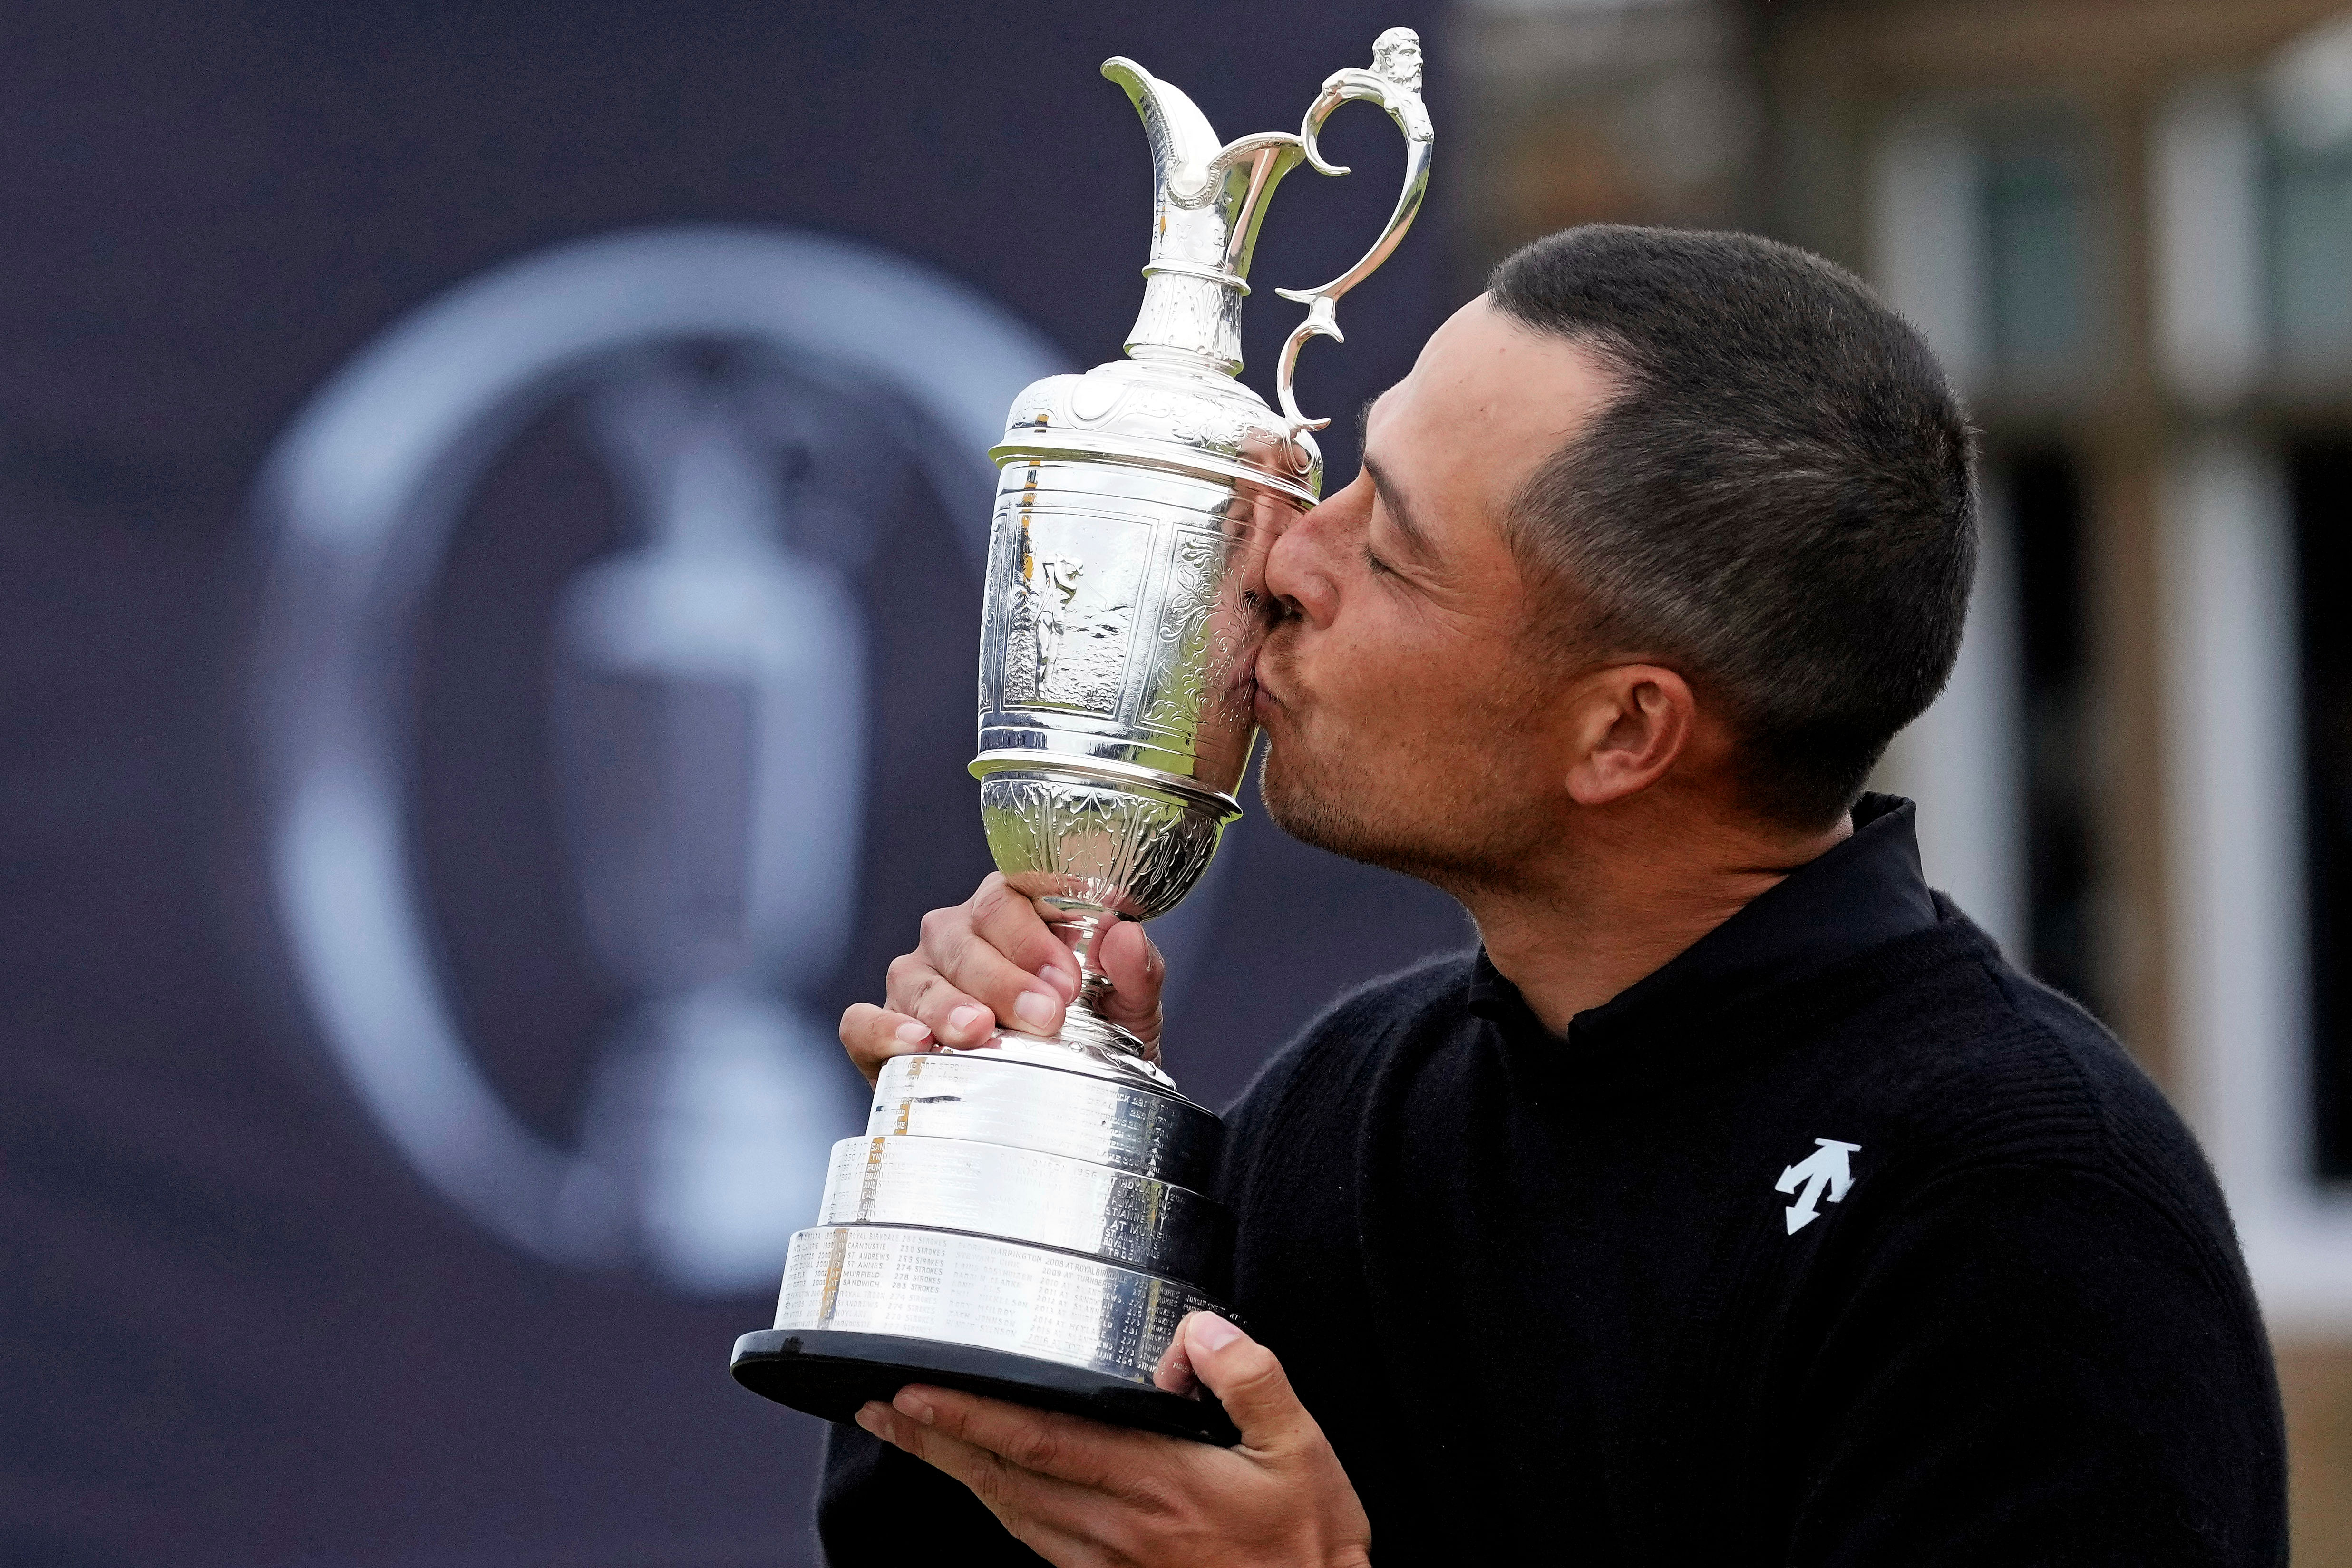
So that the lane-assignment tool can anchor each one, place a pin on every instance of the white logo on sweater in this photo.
(1824, 1168)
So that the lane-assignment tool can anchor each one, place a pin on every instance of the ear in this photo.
(1627, 725)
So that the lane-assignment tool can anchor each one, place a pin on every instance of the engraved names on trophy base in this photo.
(966, 1095)
(999, 1203)
(966, 1289)
(1020, 1194)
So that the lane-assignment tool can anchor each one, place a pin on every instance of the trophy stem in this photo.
(1083, 1024)
(1083, 928)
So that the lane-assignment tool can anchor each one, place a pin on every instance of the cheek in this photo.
(1392, 672)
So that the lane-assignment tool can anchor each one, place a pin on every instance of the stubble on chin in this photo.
(1296, 807)
(1441, 828)
(1327, 813)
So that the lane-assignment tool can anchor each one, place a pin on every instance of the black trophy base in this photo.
(832, 1373)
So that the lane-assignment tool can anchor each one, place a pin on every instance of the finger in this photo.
(968, 963)
(1138, 974)
(974, 1466)
(1045, 1514)
(1088, 1454)
(873, 1035)
(1009, 923)
(1249, 1381)
(1174, 1374)
(920, 992)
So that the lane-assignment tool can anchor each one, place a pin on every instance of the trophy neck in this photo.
(1082, 925)
(1190, 319)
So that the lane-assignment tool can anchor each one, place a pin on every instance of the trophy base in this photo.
(832, 1373)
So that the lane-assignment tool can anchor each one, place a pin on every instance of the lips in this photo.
(1264, 703)
(1266, 698)
(1241, 686)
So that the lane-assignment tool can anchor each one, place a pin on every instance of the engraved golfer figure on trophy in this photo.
(1027, 1217)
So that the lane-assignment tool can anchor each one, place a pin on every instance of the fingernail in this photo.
(875, 1418)
(1060, 979)
(1211, 1332)
(1036, 1009)
(965, 1019)
(912, 1033)
(912, 1404)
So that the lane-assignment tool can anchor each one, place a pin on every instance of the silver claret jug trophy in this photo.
(1027, 1219)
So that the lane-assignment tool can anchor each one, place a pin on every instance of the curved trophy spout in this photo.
(1208, 200)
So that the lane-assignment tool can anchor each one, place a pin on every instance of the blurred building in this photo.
(2126, 226)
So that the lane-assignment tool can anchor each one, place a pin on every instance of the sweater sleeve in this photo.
(2037, 1364)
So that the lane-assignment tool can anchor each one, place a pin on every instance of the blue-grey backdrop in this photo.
(245, 1323)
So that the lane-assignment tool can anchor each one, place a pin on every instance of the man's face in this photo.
(1404, 704)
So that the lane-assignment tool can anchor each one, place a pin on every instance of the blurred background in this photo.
(490, 500)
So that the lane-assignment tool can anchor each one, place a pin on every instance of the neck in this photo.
(1624, 898)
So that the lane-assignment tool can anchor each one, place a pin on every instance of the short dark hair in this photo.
(1779, 499)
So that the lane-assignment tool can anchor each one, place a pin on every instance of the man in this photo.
(1737, 1202)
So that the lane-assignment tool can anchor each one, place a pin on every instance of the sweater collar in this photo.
(1867, 890)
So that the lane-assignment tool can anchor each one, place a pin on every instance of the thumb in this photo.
(1136, 972)
(1248, 1382)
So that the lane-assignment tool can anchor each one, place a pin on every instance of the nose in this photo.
(1302, 569)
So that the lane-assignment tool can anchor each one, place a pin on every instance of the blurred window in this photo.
(2036, 197)
(1983, 231)
(2310, 245)
(2320, 473)
(2307, 91)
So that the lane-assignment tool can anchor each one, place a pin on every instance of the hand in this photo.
(995, 959)
(1084, 1495)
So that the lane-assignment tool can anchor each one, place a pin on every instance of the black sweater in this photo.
(1836, 1240)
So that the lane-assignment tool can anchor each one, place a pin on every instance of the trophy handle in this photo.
(1394, 83)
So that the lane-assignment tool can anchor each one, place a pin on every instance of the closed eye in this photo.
(1376, 565)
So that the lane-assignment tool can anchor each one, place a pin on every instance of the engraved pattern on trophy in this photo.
(1069, 608)
(1215, 614)
(1053, 589)
(1105, 848)
(1188, 650)
(1041, 1197)
(1008, 662)
(1186, 609)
